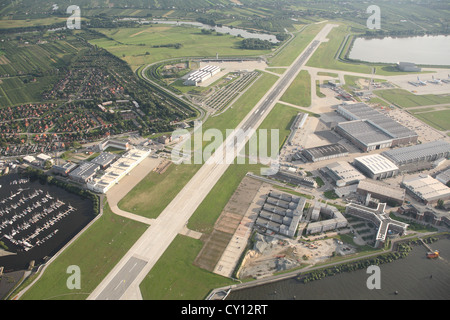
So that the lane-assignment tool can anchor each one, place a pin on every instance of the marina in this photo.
(36, 220)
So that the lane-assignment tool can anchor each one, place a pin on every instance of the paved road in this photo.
(122, 284)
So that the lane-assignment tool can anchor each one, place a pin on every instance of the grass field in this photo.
(324, 55)
(174, 277)
(299, 92)
(406, 99)
(96, 252)
(288, 55)
(437, 119)
(155, 191)
(136, 45)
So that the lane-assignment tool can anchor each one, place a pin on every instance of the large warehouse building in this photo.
(380, 191)
(376, 167)
(119, 169)
(370, 130)
(326, 152)
(343, 173)
(427, 189)
(201, 75)
(419, 156)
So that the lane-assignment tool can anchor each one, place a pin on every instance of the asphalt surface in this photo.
(123, 281)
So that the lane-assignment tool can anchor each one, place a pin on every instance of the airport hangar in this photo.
(420, 156)
(376, 166)
(426, 189)
(370, 130)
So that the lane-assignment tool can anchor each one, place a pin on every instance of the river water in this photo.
(414, 278)
(52, 237)
(426, 50)
(223, 29)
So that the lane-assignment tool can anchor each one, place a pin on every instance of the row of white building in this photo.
(201, 75)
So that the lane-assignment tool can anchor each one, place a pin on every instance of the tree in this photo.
(440, 204)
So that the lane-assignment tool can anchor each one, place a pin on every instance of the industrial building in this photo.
(117, 144)
(104, 159)
(364, 135)
(376, 166)
(329, 216)
(298, 123)
(426, 189)
(326, 152)
(369, 129)
(64, 169)
(408, 67)
(201, 75)
(343, 173)
(379, 218)
(281, 213)
(84, 172)
(118, 170)
(382, 192)
(429, 215)
(294, 178)
(444, 176)
(420, 156)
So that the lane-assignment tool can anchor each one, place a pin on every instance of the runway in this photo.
(123, 284)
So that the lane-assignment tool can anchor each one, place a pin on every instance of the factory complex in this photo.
(117, 170)
(370, 129)
(201, 75)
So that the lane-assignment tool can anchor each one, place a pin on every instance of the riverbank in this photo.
(405, 275)
(246, 290)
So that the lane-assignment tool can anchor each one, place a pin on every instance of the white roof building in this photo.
(376, 166)
(427, 188)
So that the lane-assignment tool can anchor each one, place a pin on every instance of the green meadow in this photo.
(299, 92)
(96, 252)
(406, 99)
(137, 46)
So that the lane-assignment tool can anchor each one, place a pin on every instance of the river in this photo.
(220, 29)
(425, 50)
(414, 278)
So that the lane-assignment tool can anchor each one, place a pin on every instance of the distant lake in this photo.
(223, 29)
(427, 50)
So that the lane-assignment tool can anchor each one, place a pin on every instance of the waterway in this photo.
(414, 278)
(45, 216)
(221, 29)
(426, 50)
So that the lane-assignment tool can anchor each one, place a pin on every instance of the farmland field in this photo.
(14, 91)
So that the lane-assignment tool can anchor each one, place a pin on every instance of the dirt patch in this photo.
(227, 224)
(271, 254)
